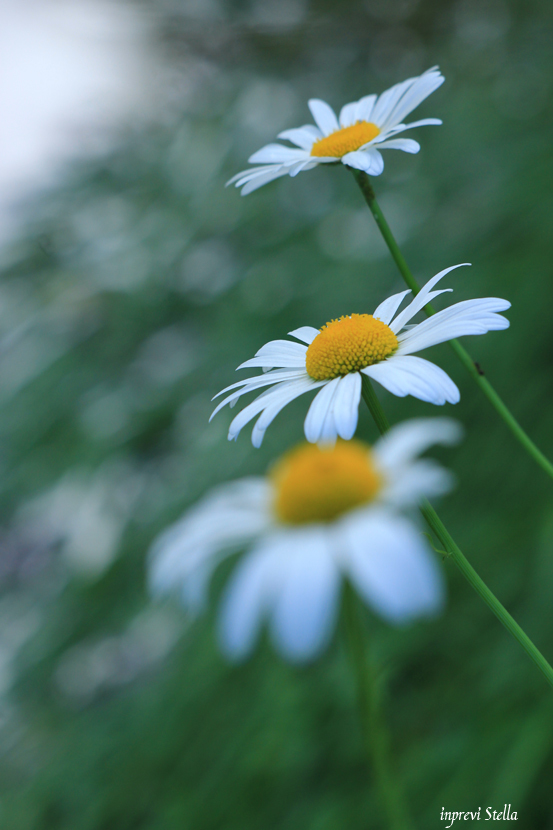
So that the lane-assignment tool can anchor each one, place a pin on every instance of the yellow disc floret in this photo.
(346, 140)
(348, 345)
(314, 484)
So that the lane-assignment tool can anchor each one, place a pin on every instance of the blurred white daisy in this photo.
(337, 355)
(320, 515)
(355, 138)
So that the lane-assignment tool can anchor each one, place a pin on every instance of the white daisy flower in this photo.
(355, 138)
(320, 515)
(336, 356)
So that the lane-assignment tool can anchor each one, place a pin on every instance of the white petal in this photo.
(283, 392)
(248, 596)
(400, 128)
(414, 95)
(423, 297)
(320, 407)
(324, 116)
(396, 325)
(410, 439)
(346, 405)
(328, 435)
(229, 517)
(272, 376)
(388, 308)
(305, 333)
(388, 100)
(348, 115)
(326, 160)
(304, 613)
(391, 566)
(278, 353)
(271, 411)
(252, 173)
(306, 164)
(416, 481)
(263, 178)
(283, 362)
(368, 160)
(405, 144)
(304, 136)
(365, 108)
(407, 375)
(277, 154)
(468, 317)
(242, 387)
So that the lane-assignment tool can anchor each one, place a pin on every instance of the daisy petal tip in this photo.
(449, 431)
(346, 434)
(257, 439)
(456, 435)
(311, 435)
(453, 267)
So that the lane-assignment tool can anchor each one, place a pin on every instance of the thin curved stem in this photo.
(372, 717)
(473, 368)
(454, 552)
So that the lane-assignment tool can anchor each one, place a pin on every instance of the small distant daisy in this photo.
(355, 138)
(335, 357)
(321, 514)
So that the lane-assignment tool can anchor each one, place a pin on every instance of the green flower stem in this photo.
(454, 552)
(473, 368)
(374, 728)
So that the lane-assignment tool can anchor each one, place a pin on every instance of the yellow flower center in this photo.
(348, 345)
(346, 140)
(318, 485)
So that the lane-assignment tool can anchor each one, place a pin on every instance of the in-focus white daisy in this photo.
(334, 358)
(320, 515)
(355, 138)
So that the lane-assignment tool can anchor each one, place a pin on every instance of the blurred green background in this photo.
(135, 288)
